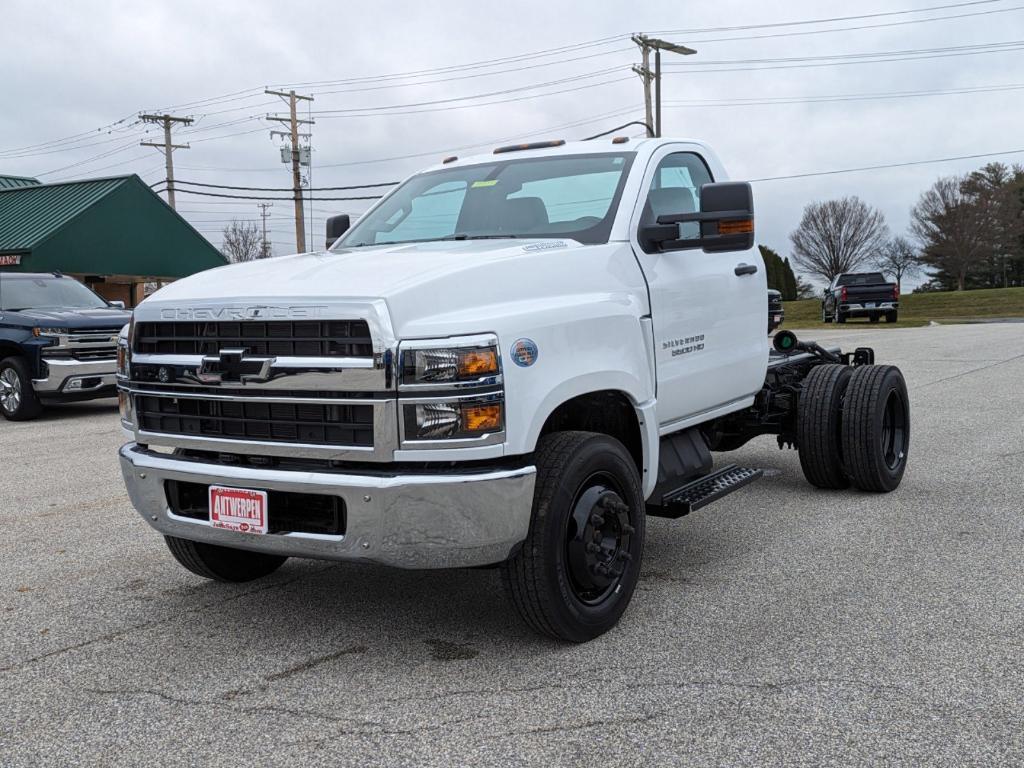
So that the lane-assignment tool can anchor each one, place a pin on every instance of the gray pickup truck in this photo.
(860, 294)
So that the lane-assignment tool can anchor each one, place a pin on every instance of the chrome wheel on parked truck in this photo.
(576, 572)
(17, 400)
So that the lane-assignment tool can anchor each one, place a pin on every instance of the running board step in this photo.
(702, 491)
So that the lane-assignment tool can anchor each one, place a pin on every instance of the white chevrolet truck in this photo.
(511, 360)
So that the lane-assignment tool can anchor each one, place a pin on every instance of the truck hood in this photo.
(83, 319)
(417, 281)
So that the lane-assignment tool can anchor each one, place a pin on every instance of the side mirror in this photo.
(116, 304)
(726, 219)
(336, 227)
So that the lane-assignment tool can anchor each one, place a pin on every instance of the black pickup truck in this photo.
(860, 294)
(58, 342)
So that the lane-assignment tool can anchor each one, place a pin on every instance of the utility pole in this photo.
(294, 120)
(648, 44)
(264, 213)
(166, 146)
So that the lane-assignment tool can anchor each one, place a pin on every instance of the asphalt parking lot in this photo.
(782, 625)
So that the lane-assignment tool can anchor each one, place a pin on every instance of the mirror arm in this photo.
(677, 218)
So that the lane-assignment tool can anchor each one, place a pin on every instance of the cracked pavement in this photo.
(782, 625)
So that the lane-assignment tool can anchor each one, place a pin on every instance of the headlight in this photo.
(453, 419)
(123, 351)
(50, 333)
(472, 360)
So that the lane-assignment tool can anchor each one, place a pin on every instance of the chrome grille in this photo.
(284, 338)
(246, 419)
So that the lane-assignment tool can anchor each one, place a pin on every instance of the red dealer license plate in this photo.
(238, 509)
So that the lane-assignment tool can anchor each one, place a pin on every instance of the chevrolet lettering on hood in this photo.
(261, 312)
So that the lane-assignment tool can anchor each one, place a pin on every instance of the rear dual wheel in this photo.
(853, 426)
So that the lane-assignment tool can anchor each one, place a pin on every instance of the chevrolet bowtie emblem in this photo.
(234, 365)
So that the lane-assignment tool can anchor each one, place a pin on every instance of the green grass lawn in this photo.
(921, 308)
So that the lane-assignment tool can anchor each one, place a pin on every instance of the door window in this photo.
(675, 188)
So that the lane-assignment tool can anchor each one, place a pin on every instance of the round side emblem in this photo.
(524, 353)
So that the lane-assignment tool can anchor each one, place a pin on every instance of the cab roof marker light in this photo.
(451, 159)
(620, 139)
(531, 145)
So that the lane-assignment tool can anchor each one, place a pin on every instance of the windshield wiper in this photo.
(456, 236)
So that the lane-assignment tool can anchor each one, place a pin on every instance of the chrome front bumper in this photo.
(69, 377)
(460, 519)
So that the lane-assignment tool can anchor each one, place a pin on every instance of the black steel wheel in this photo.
(222, 563)
(575, 574)
(819, 411)
(18, 401)
(876, 428)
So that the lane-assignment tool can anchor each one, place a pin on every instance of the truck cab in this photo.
(58, 343)
(510, 360)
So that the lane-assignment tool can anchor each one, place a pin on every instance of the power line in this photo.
(502, 92)
(906, 22)
(821, 99)
(289, 189)
(261, 197)
(890, 165)
(978, 47)
(450, 107)
(699, 30)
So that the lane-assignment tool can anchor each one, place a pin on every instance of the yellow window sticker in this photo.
(490, 183)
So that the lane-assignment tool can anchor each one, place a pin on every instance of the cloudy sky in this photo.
(944, 80)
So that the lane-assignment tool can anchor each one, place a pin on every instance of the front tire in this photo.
(876, 428)
(576, 572)
(819, 411)
(18, 401)
(222, 563)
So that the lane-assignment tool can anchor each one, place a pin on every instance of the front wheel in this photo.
(18, 401)
(222, 563)
(576, 572)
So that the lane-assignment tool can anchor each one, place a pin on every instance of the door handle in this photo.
(745, 269)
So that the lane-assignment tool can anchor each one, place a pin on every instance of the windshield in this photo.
(46, 293)
(571, 196)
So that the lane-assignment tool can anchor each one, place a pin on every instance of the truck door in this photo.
(709, 316)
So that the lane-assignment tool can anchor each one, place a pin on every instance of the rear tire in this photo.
(18, 401)
(876, 428)
(819, 414)
(874, 318)
(890, 317)
(840, 317)
(222, 563)
(575, 573)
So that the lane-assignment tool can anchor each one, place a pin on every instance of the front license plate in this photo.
(238, 509)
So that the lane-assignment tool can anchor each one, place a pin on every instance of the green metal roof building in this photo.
(113, 233)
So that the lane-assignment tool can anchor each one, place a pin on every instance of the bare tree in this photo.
(899, 259)
(242, 241)
(950, 228)
(837, 236)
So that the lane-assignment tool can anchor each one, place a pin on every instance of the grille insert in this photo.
(284, 338)
(311, 423)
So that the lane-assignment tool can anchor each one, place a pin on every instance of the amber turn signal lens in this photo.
(478, 362)
(736, 227)
(481, 418)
